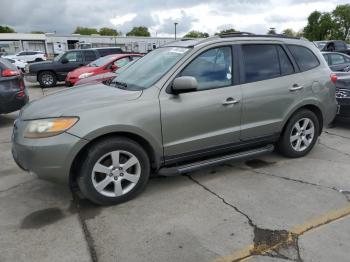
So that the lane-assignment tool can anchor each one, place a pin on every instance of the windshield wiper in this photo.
(120, 85)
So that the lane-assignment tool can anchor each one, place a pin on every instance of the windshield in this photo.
(57, 58)
(320, 45)
(149, 69)
(101, 61)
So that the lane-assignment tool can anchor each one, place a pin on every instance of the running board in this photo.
(245, 155)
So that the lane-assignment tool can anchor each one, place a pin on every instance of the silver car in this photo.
(187, 105)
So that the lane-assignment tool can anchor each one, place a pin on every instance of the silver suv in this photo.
(188, 105)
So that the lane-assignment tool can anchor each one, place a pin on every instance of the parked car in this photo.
(49, 72)
(343, 95)
(103, 78)
(28, 56)
(18, 63)
(337, 62)
(184, 106)
(102, 65)
(333, 46)
(13, 94)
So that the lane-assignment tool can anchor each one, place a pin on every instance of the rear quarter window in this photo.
(304, 57)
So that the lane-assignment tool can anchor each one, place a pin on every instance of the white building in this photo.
(53, 44)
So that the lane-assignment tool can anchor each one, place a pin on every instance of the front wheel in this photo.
(47, 79)
(300, 134)
(115, 170)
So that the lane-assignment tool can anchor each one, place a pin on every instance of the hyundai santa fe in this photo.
(185, 106)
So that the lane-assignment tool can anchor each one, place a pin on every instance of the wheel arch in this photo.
(313, 108)
(144, 143)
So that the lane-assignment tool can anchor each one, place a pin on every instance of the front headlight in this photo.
(85, 75)
(49, 127)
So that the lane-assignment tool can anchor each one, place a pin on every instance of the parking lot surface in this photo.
(268, 209)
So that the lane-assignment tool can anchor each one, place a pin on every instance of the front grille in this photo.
(342, 93)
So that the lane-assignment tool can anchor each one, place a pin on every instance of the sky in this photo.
(209, 16)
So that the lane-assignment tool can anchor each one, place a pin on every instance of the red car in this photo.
(102, 65)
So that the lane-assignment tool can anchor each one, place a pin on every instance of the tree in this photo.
(272, 31)
(139, 31)
(341, 16)
(6, 29)
(37, 32)
(226, 31)
(108, 31)
(289, 32)
(196, 34)
(320, 27)
(85, 30)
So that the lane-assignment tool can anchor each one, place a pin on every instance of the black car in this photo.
(333, 46)
(343, 94)
(13, 94)
(338, 62)
(48, 73)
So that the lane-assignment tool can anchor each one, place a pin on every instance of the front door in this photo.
(208, 118)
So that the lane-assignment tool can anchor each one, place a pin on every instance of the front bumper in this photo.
(49, 158)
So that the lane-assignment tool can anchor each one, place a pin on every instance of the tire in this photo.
(104, 180)
(297, 142)
(47, 79)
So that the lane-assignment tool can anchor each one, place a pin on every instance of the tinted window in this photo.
(109, 51)
(212, 69)
(304, 57)
(22, 53)
(260, 62)
(89, 56)
(286, 65)
(74, 57)
(337, 59)
(339, 45)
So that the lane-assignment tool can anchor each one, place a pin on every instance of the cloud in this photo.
(159, 15)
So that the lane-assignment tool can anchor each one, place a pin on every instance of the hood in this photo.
(71, 102)
(84, 69)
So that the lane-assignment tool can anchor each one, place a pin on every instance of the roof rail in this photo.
(247, 34)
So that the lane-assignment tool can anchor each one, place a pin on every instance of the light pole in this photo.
(175, 24)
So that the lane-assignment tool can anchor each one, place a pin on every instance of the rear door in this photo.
(270, 88)
(206, 119)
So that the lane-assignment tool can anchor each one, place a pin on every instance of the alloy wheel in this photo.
(116, 173)
(302, 134)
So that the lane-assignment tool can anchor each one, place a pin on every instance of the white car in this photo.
(28, 56)
(18, 63)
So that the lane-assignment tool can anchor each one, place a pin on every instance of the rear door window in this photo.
(74, 56)
(304, 57)
(337, 59)
(260, 62)
(89, 56)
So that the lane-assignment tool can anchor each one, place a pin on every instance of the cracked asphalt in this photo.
(268, 209)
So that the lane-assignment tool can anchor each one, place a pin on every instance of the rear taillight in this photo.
(334, 78)
(9, 72)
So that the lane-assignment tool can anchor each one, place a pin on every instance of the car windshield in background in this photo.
(57, 58)
(101, 61)
(320, 45)
(149, 69)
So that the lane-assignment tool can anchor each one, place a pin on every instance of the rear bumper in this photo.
(344, 111)
(13, 101)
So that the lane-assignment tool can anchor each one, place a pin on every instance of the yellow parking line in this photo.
(246, 253)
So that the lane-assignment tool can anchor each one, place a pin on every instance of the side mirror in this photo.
(114, 67)
(184, 84)
(64, 61)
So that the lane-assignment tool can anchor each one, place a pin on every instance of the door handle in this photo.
(230, 101)
(295, 87)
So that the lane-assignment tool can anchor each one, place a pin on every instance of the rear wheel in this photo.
(114, 171)
(300, 134)
(47, 79)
